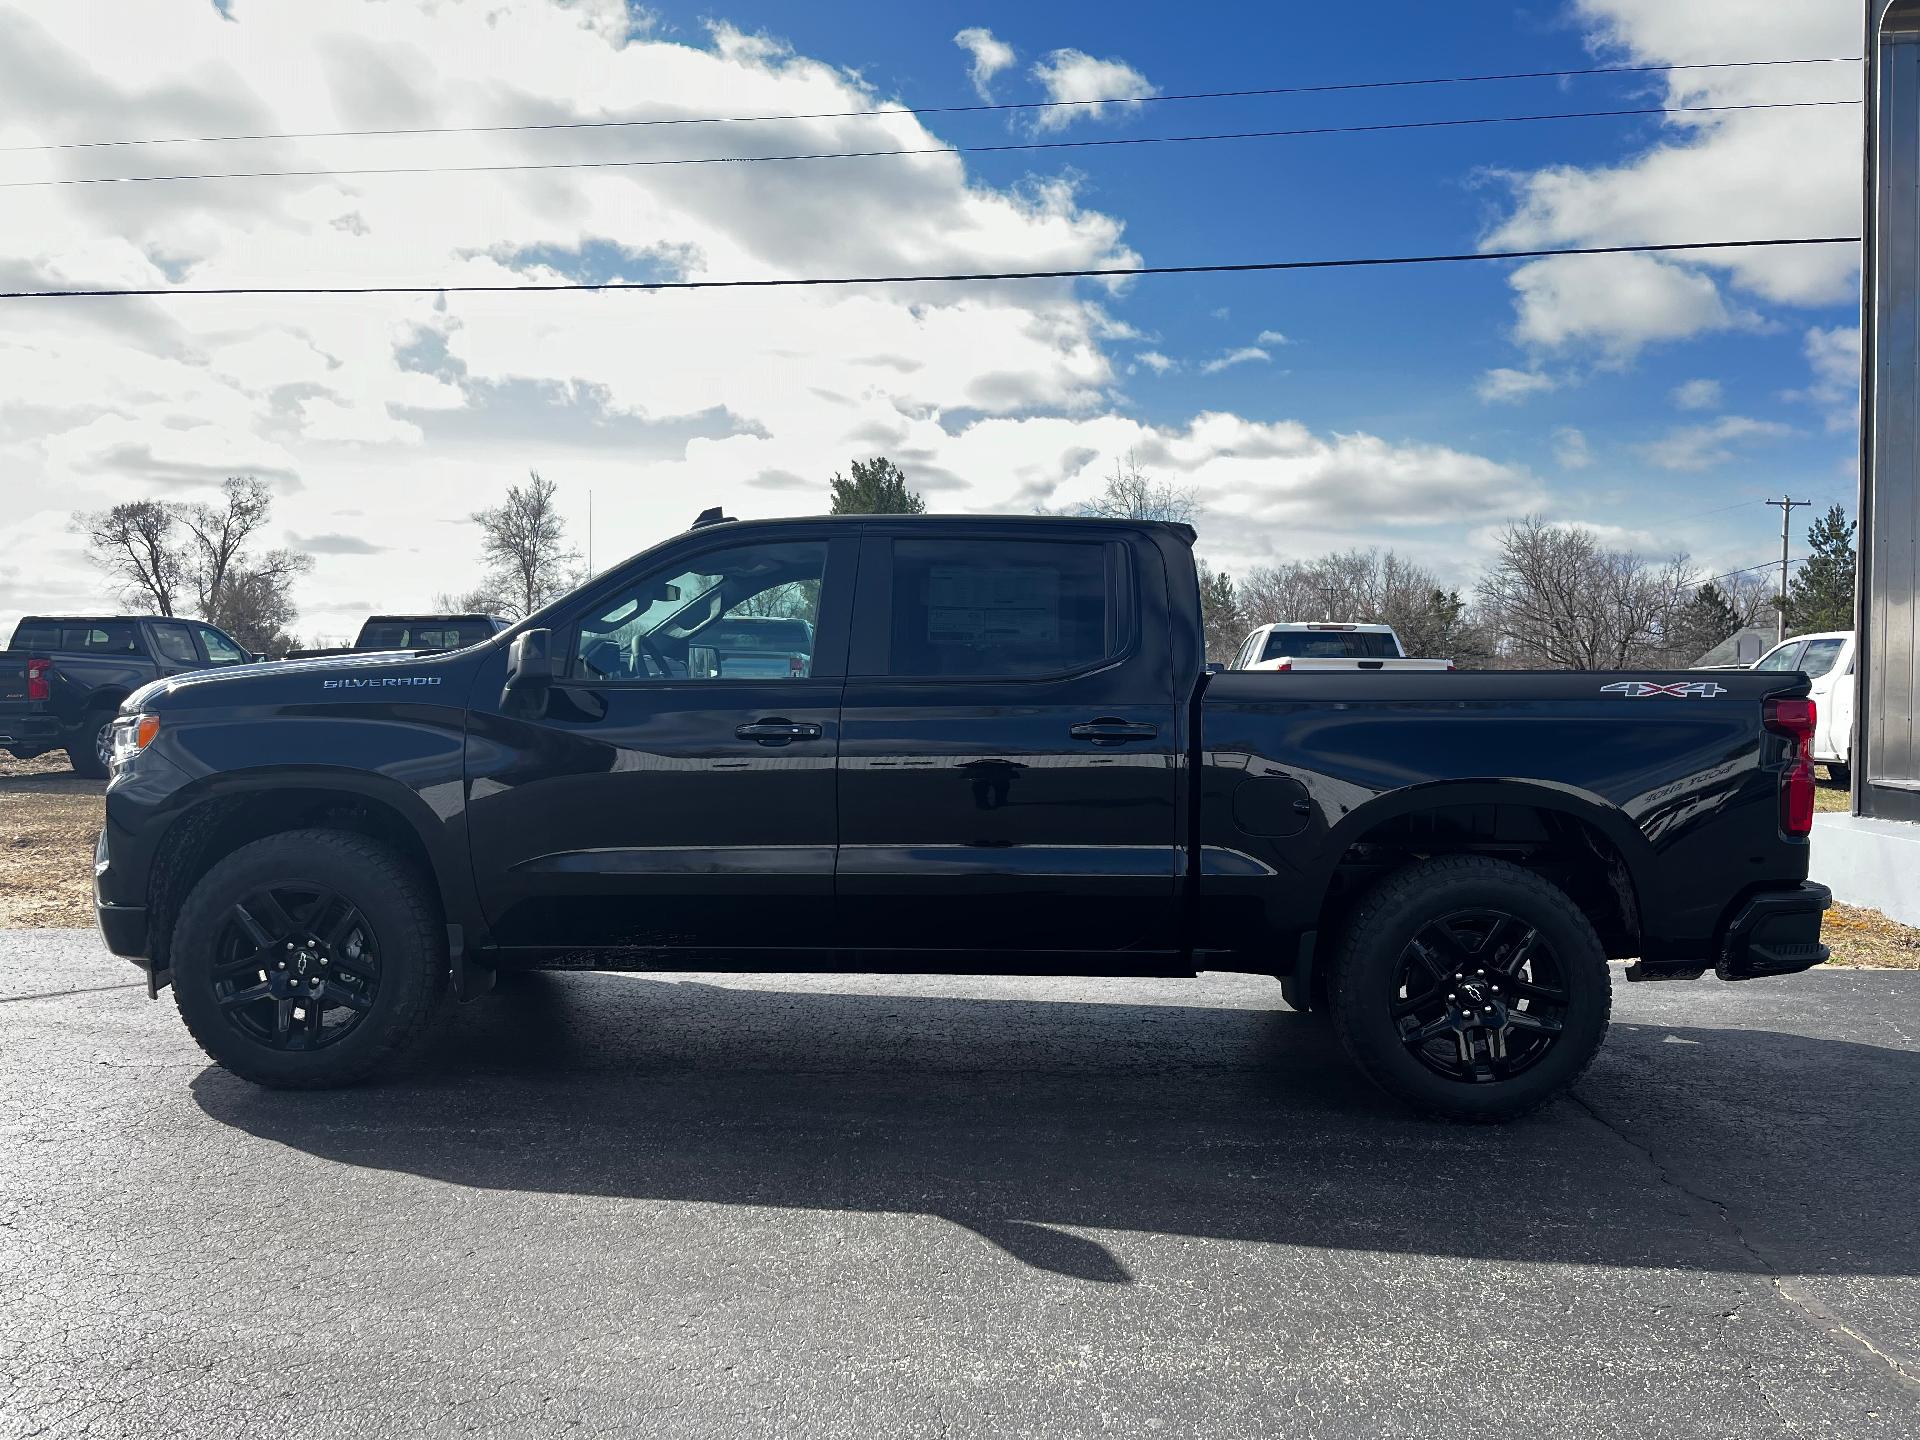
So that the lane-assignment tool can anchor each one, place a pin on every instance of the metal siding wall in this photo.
(1892, 678)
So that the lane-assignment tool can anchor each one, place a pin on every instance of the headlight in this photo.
(131, 735)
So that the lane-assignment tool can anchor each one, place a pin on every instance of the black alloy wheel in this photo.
(296, 967)
(1479, 996)
(1470, 988)
(310, 958)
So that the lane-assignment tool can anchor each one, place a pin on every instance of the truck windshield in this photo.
(1330, 645)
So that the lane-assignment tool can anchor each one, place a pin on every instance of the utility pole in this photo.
(1787, 507)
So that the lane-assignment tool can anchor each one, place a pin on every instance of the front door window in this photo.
(748, 613)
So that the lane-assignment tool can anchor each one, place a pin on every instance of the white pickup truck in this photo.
(1327, 645)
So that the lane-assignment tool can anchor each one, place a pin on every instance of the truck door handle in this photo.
(777, 731)
(1108, 731)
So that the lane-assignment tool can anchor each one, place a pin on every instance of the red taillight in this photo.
(38, 686)
(1794, 719)
(1284, 665)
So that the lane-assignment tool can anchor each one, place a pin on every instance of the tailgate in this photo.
(13, 681)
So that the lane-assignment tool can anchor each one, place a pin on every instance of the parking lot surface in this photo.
(860, 1206)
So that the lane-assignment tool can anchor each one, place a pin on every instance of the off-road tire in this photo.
(84, 756)
(1378, 932)
(398, 903)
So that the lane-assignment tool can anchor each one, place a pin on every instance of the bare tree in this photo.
(220, 536)
(481, 600)
(133, 544)
(158, 550)
(523, 544)
(1557, 598)
(1132, 494)
(1375, 587)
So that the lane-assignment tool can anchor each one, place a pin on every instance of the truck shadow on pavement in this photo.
(1031, 1122)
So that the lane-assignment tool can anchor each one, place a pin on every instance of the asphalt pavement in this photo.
(786, 1205)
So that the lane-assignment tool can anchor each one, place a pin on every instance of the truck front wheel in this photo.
(1471, 989)
(308, 959)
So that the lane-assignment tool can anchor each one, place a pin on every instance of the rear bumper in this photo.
(37, 732)
(1776, 932)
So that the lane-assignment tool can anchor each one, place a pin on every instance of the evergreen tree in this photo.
(1220, 613)
(1820, 597)
(1702, 623)
(877, 488)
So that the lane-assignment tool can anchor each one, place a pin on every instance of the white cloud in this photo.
(1245, 355)
(990, 57)
(1697, 395)
(1271, 337)
(1753, 174)
(1570, 448)
(416, 409)
(1155, 361)
(1502, 386)
(1701, 447)
(1617, 302)
(1834, 357)
(1084, 86)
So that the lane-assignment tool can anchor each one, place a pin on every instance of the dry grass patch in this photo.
(1869, 939)
(49, 818)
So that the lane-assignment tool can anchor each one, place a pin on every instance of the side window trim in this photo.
(873, 621)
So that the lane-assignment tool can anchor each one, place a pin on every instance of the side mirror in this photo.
(529, 667)
(258, 657)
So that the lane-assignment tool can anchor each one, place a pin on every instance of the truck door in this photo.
(1008, 777)
(674, 796)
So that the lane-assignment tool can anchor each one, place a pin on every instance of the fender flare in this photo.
(1633, 848)
(441, 839)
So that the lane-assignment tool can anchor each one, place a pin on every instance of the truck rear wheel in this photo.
(91, 754)
(308, 959)
(1471, 989)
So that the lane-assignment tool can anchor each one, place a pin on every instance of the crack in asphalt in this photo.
(80, 990)
(1807, 1305)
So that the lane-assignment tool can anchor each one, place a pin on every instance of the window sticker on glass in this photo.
(972, 606)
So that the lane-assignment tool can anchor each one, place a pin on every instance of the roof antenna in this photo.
(711, 516)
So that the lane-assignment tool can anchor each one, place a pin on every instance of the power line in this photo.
(801, 282)
(1099, 143)
(1267, 90)
(1763, 565)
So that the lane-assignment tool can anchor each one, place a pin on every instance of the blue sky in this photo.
(1417, 408)
(1389, 352)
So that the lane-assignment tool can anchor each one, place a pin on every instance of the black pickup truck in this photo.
(413, 632)
(1000, 752)
(63, 677)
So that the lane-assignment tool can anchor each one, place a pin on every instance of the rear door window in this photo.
(1011, 608)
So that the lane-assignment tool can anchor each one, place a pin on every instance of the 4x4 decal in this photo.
(1679, 689)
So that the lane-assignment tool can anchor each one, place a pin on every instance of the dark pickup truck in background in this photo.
(999, 752)
(413, 632)
(62, 678)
